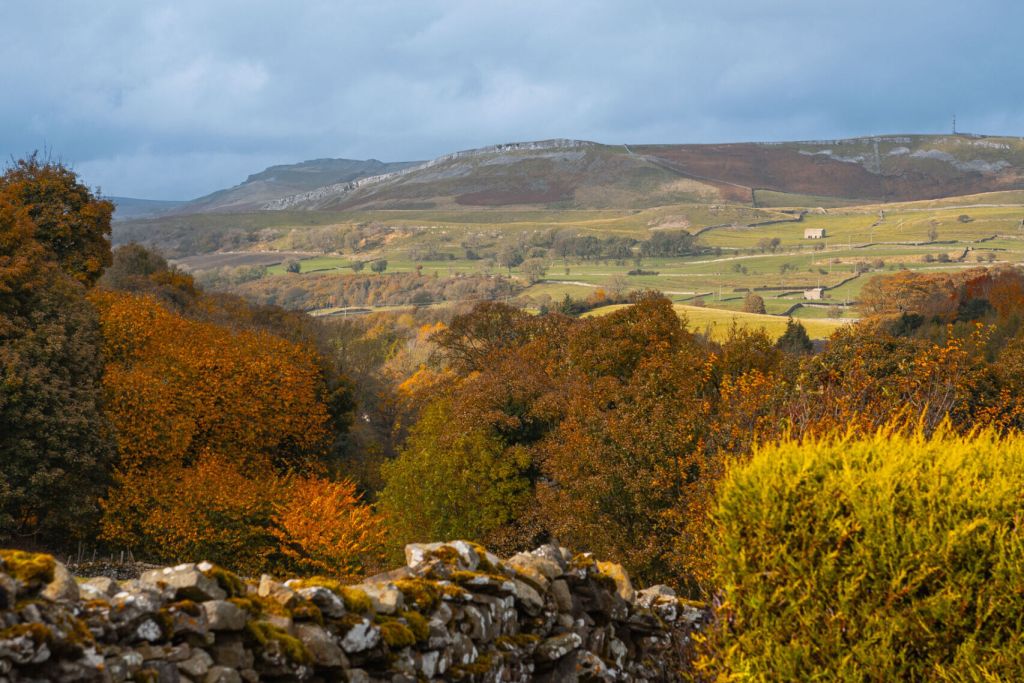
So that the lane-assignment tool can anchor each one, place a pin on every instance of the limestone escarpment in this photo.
(455, 612)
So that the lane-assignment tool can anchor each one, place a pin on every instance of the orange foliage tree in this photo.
(200, 410)
(323, 527)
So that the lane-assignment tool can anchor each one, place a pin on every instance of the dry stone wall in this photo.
(454, 612)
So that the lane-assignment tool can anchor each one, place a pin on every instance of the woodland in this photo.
(140, 411)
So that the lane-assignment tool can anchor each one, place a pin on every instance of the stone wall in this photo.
(455, 612)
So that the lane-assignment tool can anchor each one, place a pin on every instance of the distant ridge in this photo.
(566, 173)
(288, 179)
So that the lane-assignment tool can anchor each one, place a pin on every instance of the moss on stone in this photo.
(422, 594)
(265, 633)
(230, 583)
(446, 554)
(32, 569)
(396, 634)
(318, 582)
(38, 633)
(418, 624)
(250, 605)
(307, 611)
(517, 642)
(481, 666)
(356, 599)
(188, 607)
(146, 676)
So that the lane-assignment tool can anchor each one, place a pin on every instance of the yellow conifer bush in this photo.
(888, 557)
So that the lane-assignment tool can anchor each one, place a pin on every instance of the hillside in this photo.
(569, 173)
(281, 181)
(883, 169)
(580, 174)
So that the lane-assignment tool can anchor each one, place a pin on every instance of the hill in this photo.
(580, 174)
(281, 181)
(561, 173)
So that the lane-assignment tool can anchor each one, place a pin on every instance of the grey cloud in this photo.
(175, 99)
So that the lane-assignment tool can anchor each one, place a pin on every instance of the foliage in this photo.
(176, 387)
(447, 484)
(324, 527)
(890, 557)
(794, 340)
(55, 451)
(185, 395)
(389, 289)
(753, 303)
(70, 222)
(214, 509)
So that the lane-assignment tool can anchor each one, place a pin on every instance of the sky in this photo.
(172, 100)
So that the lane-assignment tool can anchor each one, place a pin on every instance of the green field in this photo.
(738, 254)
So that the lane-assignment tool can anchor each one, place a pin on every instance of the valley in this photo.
(575, 219)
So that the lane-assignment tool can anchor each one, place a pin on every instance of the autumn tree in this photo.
(753, 303)
(180, 391)
(70, 221)
(55, 450)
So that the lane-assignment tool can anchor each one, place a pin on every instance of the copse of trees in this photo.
(55, 450)
(196, 425)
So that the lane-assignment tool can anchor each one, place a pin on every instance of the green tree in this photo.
(70, 221)
(795, 339)
(449, 483)
(379, 266)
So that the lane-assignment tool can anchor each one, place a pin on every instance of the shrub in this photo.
(887, 558)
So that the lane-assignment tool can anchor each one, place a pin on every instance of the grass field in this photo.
(717, 322)
(946, 234)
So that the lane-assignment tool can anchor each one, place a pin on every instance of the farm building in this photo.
(814, 233)
(814, 293)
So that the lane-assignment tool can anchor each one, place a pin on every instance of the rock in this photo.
(222, 615)
(557, 647)
(187, 582)
(8, 592)
(554, 554)
(196, 666)
(386, 597)
(162, 671)
(361, 637)
(321, 645)
(537, 570)
(496, 618)
(278, 592)
(63, 586)
(222, 674)
(439, 637)
(462, 553)
(430, 664)
(563, 598)
(230, 652)
(530, 599)
(622, 582)
(327, 601)
(102, 585)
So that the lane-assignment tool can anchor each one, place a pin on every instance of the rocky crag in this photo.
(455, 612)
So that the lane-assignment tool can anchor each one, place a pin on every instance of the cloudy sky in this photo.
(175, 99)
